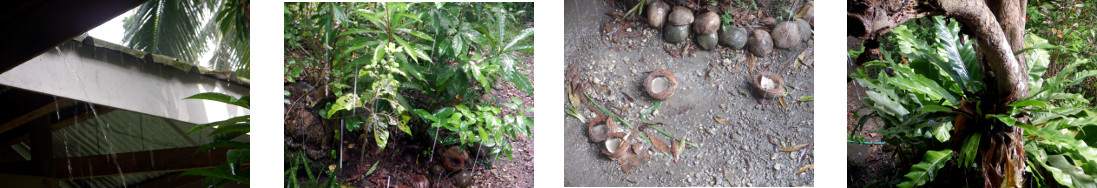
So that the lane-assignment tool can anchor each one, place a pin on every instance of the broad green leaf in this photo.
(1037, 57)
(885, 103)
(381, 136)
(238, 155)
(230, 121)
(521, 35)
(920, 84)
(969, 149)
(419, 34)
(952, 62)
(412, 51)
(379, 52)
(345, 102)
(229, 132)
(221, 97)
(1025, 103)
(926, 170)
(371, 169)
(509, 65)
(941, 131)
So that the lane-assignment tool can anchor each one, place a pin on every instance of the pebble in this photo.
(777, 166)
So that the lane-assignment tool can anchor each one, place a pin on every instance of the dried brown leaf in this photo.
(678, 149)
(782, 99)
(672, 52)
(721, 120)
(794, 148)
(805, 168)
(751, 63)
(659, 145)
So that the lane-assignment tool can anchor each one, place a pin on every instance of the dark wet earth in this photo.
(711, 84)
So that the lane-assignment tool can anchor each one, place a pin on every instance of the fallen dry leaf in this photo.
(805, 168)
(782, 99)
(794, 148)
(751, 62)
(721, 120)
(672, 52)
(659, 145)
(351, 146)
(678, 149)
(331, 167)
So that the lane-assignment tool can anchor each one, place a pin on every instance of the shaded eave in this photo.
(34, 26)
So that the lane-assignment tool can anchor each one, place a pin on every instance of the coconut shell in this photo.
(805, 29)
(734, 37)
(707, 41)
(786, 35)
(675, 34)
(599, 121)
(680, 16)
(779, 85)
(657, 13)
(760, 43)
(671, 81)
(622, 148)
(707, 23)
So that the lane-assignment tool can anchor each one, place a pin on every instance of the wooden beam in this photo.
(165, 160)
(172, 180)
(35, 114)
(41, 150)
(14, 180)
(21, 133)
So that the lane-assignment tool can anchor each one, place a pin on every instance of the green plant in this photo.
(727, 17)
(933, 103)
(480, 125)
(185, 29)
(313, 180)
(224, 133)
(380, 59)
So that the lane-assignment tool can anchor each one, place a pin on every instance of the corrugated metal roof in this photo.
(121, 131)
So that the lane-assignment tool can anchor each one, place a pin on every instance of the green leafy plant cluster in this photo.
(312, 180)
(224, 134)
(382, 61)
(916, 94)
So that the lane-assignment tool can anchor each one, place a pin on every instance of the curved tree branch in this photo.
(868, 19)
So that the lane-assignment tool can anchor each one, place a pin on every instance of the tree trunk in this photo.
(998, 29)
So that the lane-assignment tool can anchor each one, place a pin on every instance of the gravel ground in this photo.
(744, 153)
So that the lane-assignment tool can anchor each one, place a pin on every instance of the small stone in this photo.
(777, 166)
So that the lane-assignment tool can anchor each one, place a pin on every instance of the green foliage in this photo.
(175, 28)
(480, 125)
(925, 171)
(916, 101)
(313, 180)
(381, 60)
(224, 134)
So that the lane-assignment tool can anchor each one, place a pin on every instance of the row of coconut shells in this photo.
(676, 25)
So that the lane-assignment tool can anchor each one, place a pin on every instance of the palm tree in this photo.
(185, 29)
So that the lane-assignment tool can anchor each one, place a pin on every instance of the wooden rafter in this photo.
(34, 114)
(165, 160)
